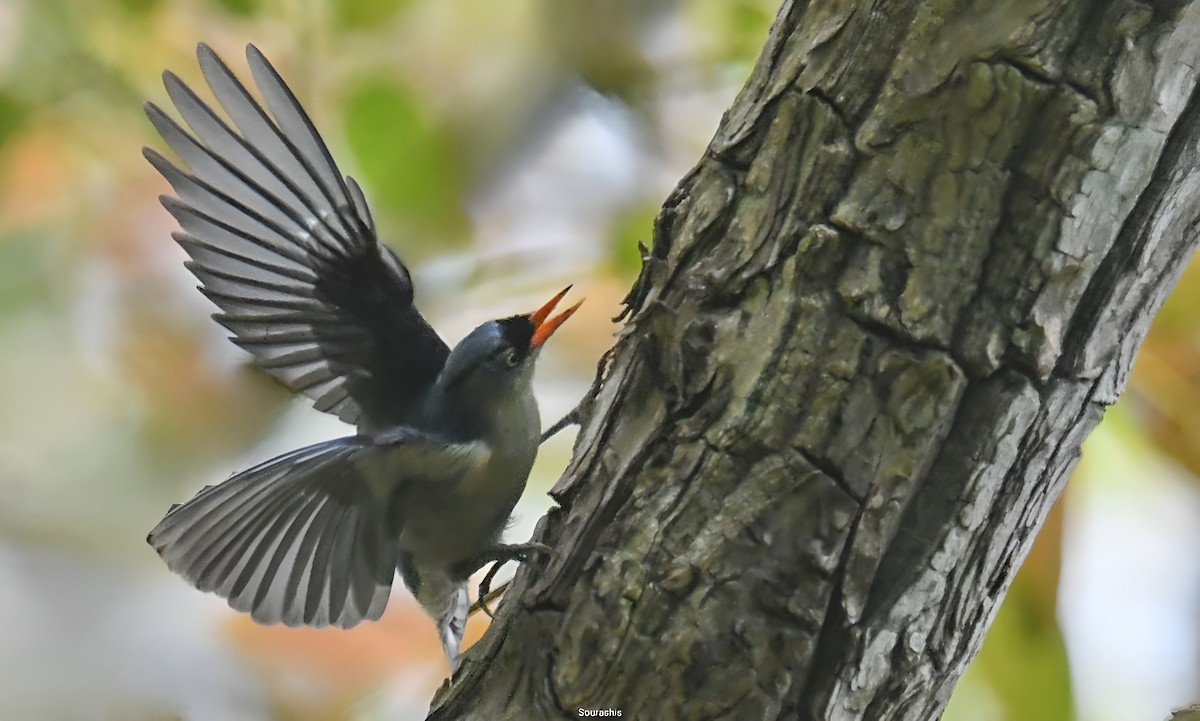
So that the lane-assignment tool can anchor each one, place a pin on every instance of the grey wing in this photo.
(286, 247)
(295, 540)
(303, 539)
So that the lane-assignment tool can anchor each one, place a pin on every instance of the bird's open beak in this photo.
(543, 325)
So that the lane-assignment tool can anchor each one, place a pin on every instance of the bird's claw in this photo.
(522, 551)
(498, 556)
(485, 590)
(575, 416)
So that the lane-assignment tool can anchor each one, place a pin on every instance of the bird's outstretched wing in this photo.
(305, 538)
(286, 247)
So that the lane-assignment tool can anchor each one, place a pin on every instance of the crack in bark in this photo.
(834, 475)
(830, 643)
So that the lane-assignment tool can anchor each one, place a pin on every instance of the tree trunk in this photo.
(878, 319)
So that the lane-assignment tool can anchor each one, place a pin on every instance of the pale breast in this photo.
(451, 521)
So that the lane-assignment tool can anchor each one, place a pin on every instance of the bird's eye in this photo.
(509, 356)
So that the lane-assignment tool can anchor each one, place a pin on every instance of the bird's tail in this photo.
(298, 539)
(444, 597)
(452, 624)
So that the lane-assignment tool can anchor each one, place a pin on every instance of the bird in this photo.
(286, 247)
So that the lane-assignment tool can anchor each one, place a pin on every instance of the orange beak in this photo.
(543, 325)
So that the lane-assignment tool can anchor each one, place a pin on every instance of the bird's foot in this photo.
(498, 556)
(487, 594)
(571, 419)
(575, 416)
(501, 553)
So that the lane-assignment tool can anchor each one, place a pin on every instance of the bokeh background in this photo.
(507, 148)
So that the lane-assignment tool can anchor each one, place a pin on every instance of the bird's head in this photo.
(495, 361)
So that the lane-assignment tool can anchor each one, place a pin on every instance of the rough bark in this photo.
(878, 319)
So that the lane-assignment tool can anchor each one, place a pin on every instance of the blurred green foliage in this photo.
(366, 14)
(404, 155)
(242, 7)
(25, 271)
(12, 115)
(632, 228)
